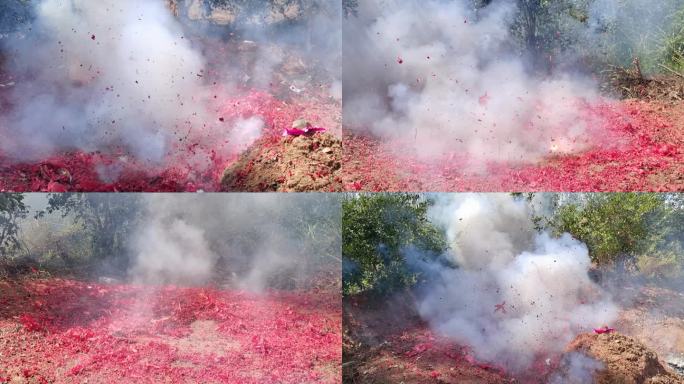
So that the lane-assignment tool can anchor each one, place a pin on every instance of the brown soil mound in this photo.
(292, 164)
(625, 360)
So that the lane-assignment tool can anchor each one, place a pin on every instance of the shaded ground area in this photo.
(647, 155)
(387, 342)
(68, 331)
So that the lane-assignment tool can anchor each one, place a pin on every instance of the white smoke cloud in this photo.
(173, 251)
(442, 76)
(114, 76)
(104, 73)
(576, 368)
(516, 294)
(243, 240)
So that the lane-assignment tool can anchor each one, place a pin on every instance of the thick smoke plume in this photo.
(247, 241)
(115, 76)
(444, 77)
(515, 295)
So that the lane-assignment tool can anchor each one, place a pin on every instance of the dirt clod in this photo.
(624, 359)
(292, 164)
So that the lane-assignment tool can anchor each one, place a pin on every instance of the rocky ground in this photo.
(295, 164)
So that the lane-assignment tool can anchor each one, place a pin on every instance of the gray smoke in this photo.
(444, 78)
(516, 294)
(111, 75)
(576, 368)
(617, 31)
(248, 241)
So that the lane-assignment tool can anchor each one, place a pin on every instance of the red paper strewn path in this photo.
(650, 157)
(66, 331)
(78, 171)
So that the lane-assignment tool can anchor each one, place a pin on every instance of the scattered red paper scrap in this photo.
(484, 99)
(603, 330)
(301, 132)
(73, 332)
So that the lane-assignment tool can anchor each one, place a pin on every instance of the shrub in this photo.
(376, 230)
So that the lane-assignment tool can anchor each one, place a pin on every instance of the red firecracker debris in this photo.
(300, 132)
(641, 151)
(603, 330)
(74, 332)
(196, 161)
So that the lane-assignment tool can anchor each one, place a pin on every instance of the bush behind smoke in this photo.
(617, 31)
(259, 239)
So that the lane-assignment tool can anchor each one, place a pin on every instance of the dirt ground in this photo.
(68, 331)
(387, 342)
(623, 360)
(296, 164)
(655, 317)
(649, 158)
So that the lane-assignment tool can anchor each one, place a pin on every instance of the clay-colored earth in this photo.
(293, 164)
(625, 360)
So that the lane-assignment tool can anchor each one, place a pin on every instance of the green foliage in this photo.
(107, 219)
(662, 265)
(57, 246)
(314, 221)
(613, 225)
(635, 33)
(12, 208)
(543, 27)
(376, 229)
(546, 30)
(653, 32)
(671, 45)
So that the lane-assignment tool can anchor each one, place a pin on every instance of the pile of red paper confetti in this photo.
(646, 154)
(79, 171)
(67, 331)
